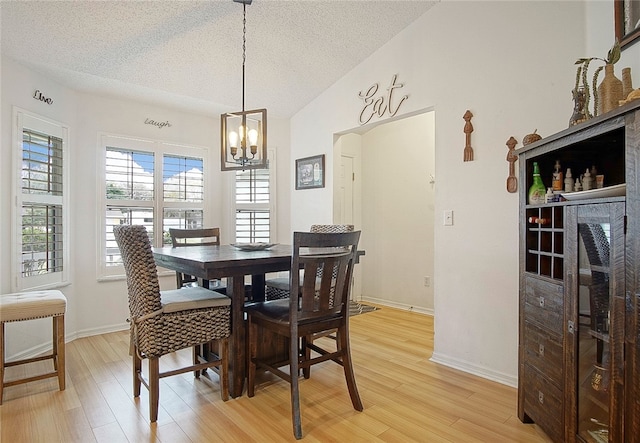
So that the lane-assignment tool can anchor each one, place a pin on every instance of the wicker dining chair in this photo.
(322, 306)
(167, 321)
(196, 237)
(278, 287)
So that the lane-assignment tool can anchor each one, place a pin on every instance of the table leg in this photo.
(257, 287)
(237, 363)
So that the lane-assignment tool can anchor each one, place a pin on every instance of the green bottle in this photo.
(537, 190)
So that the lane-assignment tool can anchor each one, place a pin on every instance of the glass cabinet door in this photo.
(599, 338)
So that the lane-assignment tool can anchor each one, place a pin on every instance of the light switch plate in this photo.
(448, 217)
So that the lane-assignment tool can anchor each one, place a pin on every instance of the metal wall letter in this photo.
(160, 125)
(382, 104)
(40, 96)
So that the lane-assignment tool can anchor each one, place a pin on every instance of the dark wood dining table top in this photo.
(213, 262)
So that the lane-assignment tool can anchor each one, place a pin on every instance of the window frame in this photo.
(23, 119)
(159, 148)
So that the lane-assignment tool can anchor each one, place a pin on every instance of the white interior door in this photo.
(345, 213)
(346, 191)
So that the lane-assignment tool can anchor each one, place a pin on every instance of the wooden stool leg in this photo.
(1, 359)
(224, 368)
(137, 373)
(59, 350)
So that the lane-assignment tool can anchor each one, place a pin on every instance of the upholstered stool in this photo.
(23, 306)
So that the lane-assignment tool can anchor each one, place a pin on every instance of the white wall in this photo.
(94, 306)
(17, 87)
(398, 213)
(600, 36)
(512, 65)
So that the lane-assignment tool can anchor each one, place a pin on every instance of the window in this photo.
(154, 184)
(254, 219)
(40, 213)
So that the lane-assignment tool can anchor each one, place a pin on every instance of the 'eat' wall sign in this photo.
(381, 104)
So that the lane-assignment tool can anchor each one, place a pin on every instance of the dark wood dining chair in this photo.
(161, 323)
(196, 237)
(322, 305)
(278, 287)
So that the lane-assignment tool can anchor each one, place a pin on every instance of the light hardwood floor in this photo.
(406, 398)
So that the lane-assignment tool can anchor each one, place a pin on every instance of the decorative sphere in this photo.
(530, 138)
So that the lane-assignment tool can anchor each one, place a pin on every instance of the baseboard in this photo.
(46, 347)
(480, 371)
(102, 330)
(402, 306)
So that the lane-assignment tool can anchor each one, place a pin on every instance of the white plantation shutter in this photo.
(253, 205)
(41, 208)
(127, 175)
(151, 184)
(182, 179)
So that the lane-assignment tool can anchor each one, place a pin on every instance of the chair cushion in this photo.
(278, 311)
(30, 305)
(194, 297)
(275, 310)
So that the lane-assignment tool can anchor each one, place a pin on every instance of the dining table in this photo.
(233, 264)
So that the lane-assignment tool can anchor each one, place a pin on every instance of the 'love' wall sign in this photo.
(40, 96)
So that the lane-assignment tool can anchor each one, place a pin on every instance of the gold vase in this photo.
(609, 91)
(626, 83)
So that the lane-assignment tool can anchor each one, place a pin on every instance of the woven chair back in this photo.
(330, 229)
(142, 275)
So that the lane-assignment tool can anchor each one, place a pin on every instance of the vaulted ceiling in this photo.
(188, 54)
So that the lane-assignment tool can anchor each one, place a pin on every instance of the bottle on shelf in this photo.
(537, 190)
(557, 182)
(577, 187)
(568, 181)
(594, 173)
(586, 181)
(549, 196)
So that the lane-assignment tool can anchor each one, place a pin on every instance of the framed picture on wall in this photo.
(310, 172)
(627, 21)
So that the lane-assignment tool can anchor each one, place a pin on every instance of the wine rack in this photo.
(545, 240)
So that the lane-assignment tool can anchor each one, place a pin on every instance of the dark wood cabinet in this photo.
(579, 354)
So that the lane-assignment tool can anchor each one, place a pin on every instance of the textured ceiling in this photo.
(188, 54)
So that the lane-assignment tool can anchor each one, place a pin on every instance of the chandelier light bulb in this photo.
(233, 139)
(253, 137)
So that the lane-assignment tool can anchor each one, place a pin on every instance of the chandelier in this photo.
(244, 133)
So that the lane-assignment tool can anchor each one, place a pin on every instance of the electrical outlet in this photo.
(427, 281)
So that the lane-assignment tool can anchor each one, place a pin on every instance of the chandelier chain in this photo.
(244, 46)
